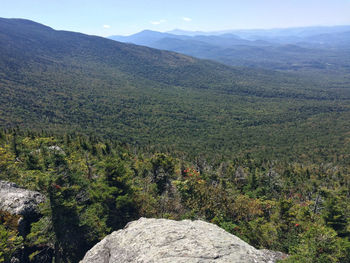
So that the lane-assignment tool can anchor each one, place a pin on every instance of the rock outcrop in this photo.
(161, 241)
(18, 201)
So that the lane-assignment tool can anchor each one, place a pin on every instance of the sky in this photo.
(125, 17)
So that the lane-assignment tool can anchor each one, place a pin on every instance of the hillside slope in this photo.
(65, 81)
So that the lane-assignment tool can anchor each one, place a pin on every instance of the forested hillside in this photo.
(63, 81)
(95, 186)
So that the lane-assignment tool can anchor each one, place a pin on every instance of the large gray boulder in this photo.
(19, 201)
(162, 240)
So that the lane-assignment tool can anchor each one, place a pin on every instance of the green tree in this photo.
(320, 244)
(335, 214)
(9, 243)
(162, 171)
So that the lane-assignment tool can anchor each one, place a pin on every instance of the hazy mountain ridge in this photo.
(316, 50)
(250, 33)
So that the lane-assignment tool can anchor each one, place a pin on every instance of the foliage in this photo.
(10, 241)
(320, 244)
(296, 208)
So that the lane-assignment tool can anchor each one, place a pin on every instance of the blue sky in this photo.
(123, 17)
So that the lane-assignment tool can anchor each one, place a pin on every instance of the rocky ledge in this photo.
(19, 201)
(162, 240)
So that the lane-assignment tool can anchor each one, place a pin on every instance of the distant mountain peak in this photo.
(187, 33)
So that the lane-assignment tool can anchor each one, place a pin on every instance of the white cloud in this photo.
(106, 26)
(158, 22)
(187, 19)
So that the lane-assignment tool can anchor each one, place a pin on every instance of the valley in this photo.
(64, 81)
(247, 130)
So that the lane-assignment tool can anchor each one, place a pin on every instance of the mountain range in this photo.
(289, 31)
(312, 49)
